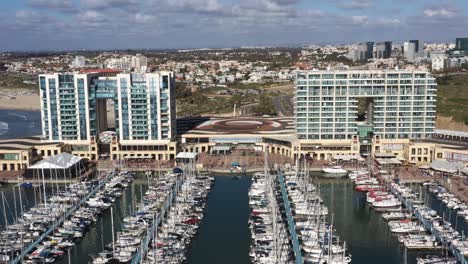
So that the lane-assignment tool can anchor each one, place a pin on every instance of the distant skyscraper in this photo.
(365, 51)
(383, 50)
(462, 44)
(412, 50)
(417, 45)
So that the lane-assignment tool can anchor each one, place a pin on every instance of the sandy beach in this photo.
(19, 99)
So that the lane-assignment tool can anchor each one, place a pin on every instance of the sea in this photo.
(19, 123)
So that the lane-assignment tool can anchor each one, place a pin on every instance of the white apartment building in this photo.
(73, 106)
(399, 104)
(78, 62)
(438, 62)
(138, 63)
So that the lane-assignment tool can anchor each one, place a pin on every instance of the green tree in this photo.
(265, 106)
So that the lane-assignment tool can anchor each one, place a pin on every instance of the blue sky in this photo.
(122, 24)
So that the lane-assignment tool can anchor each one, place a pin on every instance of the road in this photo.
(283, 105)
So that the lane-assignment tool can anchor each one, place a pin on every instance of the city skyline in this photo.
(121, 24)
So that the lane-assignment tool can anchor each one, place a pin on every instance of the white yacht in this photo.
(334, 172)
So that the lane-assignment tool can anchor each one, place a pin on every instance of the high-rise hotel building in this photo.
(394, 104)
(74, 108)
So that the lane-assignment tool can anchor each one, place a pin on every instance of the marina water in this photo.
(224, 235)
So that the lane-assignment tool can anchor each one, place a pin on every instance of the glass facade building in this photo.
(74, 106)
(461, 44)
(402, 104)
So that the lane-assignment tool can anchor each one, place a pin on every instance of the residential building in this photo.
(439, 62)
(74, 109)
(78, 62)
(383, 50)
(397, 104)
(139, 63)
(124, 63)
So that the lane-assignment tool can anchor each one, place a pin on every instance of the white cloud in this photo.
(389, 21)
(444, 12)
(359, 19)
(58, 5)
(106, 4)
(355, 4)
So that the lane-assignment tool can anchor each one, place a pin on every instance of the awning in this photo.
(186, 155)
(388, 161)
(61, 161)
(447, 166)
(221, 148)
(348, 157)
(384, 155)
(138, 157)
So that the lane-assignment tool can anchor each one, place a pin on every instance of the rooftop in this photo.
(245, 125)
(100, 71)
(61, 161)
(24, 143)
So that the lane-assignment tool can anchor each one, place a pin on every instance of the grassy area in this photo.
(199, 104)
(254, 85)
(15, 81)
(452, 97)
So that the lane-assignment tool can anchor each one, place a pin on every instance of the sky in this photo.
(160, 24)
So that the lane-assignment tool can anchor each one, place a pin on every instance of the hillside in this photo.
(452, 102)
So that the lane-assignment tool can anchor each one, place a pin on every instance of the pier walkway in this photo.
(291, 223)
(150, 233)
(429, 227)
(58, 223)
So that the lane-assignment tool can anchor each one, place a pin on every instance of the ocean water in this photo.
(19, 123)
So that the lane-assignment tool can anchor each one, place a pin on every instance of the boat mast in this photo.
(113, 238)
(330, 238)
(43, 184)
(344, 251)
(14, 201)
(21, 201)
(4, 210)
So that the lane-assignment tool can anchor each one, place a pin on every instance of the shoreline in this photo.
(19, 109)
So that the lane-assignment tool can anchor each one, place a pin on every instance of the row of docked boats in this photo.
(74, 227)
(449, 199)
(270, 240)
(442, 233)
(412, 223)
(166, 220)
(134, 228)
(182, 222)
(51, 227)
(400, 221)
(318, 239)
